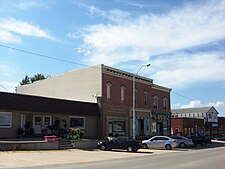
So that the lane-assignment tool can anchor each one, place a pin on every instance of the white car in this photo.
(160, 142)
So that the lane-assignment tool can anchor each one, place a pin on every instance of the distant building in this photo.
(221, 125)
(112, 89)
(187, 126)
(208, 114)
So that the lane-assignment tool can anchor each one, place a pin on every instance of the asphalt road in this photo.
(212, 158)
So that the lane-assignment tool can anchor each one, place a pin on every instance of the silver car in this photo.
(160, 142)
(183, 141)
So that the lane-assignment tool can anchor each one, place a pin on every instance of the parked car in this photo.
(160, 142)
(220, 138)
(120, 143)
(200, 140)
(183, 141)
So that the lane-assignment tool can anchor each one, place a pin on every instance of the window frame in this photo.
(155, 98)
(44, 120)
(81, 117)
(108, 90)
(165, 103)
(9, 114)
(122, 93)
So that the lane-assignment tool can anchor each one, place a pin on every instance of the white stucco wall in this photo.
(81, 85)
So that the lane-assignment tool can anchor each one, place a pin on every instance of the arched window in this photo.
(155, 102)
(145, 98)
(165, 104)
(108, 90)
(122, 93)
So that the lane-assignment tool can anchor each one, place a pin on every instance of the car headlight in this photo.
(99, 143)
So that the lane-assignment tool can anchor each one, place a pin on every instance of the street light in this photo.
(134, 125)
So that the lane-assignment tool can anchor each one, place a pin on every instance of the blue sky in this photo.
(183, 40)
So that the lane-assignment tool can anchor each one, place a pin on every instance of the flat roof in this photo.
(29, 103)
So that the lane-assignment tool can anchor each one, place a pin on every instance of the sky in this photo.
(184, 41)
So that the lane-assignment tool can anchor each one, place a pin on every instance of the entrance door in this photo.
(37, 124)
(160, 128)
(140, 127)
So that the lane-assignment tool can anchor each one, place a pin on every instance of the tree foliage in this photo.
(36, 77)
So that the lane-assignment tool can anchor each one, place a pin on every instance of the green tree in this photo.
(25, 80)
(36, 77)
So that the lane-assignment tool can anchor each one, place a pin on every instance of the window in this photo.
(210, 116)
(155, 102)
(5, 119)
(47, 120)
(77, 122)
(165, 103)
(108, 90)
(185, 131)
(119, 126)
(145, 98)
(37, 120)
(122, 93)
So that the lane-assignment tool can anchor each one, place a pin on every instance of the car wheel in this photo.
(130, 149)
(144, 146)
(103, 147)
(168, 147)
(182, 145)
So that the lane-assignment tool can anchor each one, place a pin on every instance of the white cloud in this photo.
(8, 86)
(183, 69)
(193, 103)
(10, 29)
(7, 70)
(115, 15)
(6, 36)
(217, 104)
(156, 34)
(31, 4)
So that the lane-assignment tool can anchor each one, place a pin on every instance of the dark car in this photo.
(200, 140)
(120, 143)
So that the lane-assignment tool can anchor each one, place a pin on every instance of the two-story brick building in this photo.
(112, 90)
(209, 116)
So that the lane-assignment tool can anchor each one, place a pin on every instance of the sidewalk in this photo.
(13, 159)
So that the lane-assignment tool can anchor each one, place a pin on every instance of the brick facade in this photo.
(116, 110)
(221, 123)
(187, 126)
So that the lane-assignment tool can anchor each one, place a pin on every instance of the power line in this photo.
(44, 56)
(66, 61)
(188, 98)
(4, 87)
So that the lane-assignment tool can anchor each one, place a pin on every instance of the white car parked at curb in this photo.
(160, 142)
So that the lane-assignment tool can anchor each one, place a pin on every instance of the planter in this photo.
(51, 138)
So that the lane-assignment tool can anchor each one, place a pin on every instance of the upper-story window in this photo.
(108, 90)
(155, 102)
(165, 103)
(145, 97)
(210, 116)
(122, 93)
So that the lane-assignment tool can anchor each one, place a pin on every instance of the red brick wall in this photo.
(115, 108)
(182, 123)
(161, 95)
(115, 93)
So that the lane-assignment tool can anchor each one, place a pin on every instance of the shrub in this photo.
(76, 134)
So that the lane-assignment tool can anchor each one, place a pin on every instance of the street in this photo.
(208, 158)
